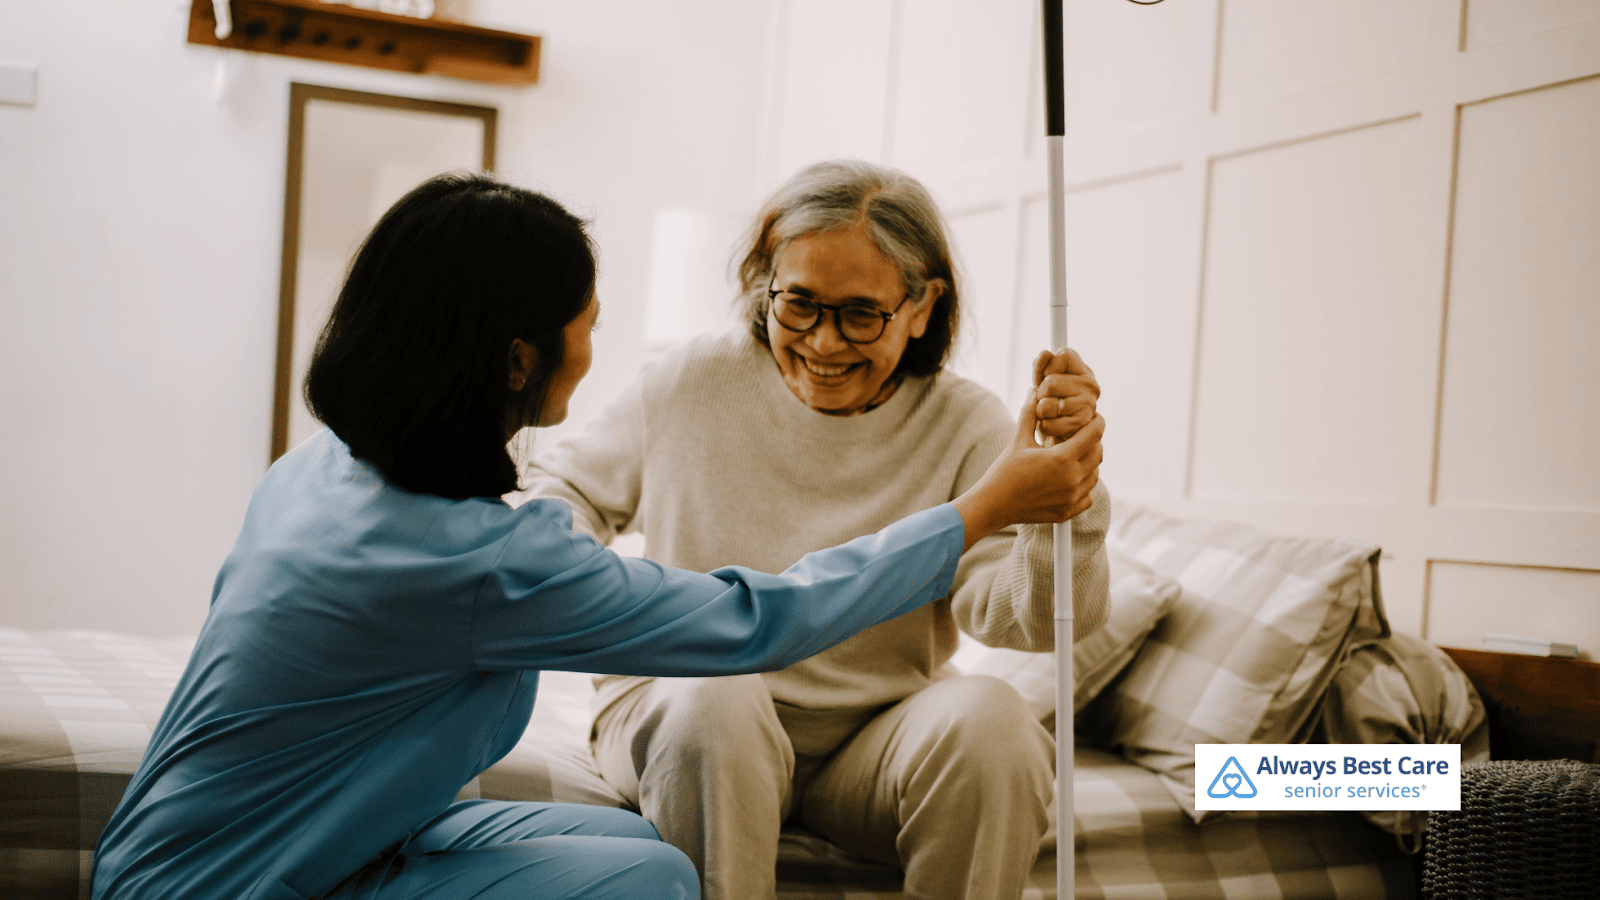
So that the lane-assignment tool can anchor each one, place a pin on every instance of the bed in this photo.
(1218, 633)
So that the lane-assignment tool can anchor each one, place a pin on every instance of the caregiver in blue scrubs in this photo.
(376, 635)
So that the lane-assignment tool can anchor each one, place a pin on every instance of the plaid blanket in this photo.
(76, 709)
(1135, 841)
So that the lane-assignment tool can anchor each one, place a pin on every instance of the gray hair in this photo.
(903, 223)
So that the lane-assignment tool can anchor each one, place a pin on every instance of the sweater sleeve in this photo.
(1005, 587)
(556, 600)
(598, 472)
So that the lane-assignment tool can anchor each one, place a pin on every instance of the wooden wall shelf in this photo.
(330, 32)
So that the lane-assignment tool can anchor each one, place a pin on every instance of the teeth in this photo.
(824, 371)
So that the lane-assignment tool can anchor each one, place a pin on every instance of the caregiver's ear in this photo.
(522, 358)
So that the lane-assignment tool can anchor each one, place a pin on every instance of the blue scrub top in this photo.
(370, 650)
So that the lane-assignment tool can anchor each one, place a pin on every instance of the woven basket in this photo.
(1526, 828)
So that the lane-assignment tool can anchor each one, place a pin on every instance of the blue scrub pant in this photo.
(499, 850)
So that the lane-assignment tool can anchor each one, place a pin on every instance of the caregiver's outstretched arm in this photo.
(1033, 484)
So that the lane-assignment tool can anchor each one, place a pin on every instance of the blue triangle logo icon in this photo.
(1231, 781)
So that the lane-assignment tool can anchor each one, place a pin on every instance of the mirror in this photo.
(351, 156)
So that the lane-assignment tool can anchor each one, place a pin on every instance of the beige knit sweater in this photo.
(712, 457)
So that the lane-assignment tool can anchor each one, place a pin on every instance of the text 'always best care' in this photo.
(1316, 768)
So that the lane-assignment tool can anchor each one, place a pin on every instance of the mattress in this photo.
(76, 709)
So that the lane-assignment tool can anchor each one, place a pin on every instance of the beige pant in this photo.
(951, 783)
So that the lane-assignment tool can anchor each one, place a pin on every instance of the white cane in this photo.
(1055, 129)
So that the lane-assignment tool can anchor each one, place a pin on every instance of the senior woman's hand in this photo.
(1030, 483)
(1065, 392)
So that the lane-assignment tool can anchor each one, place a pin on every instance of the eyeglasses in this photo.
(856, 323)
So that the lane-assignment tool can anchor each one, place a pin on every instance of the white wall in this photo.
(1333, 261)
(140, 230)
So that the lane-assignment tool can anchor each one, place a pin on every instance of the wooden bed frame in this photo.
(1539, 707)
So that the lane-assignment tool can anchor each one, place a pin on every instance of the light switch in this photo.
(19, 83)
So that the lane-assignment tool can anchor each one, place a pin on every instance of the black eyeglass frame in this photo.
(838, 315)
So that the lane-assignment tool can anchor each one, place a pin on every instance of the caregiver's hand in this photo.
(1064, 391)
(1030, 483)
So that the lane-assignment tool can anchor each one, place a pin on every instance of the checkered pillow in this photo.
(1138, 599)
(1244, 656)
(1404, 690)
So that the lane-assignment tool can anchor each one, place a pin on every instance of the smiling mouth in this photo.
(822, 371)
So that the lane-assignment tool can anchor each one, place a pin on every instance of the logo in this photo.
(1233, 781)
(1327, 776)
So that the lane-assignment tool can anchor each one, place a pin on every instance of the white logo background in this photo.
(1327, 776)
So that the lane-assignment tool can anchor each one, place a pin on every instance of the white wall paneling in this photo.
(1130, 69)
(1130, 318)
(1270, 48)
(833, 88)
(959, 49)
(1267, 216)
(987, 256)
(1520, 367)
(1255, 186)
(1307, 312)
(1494, 21)
(1467, 599)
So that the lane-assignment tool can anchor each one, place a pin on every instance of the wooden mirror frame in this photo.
(299, 96)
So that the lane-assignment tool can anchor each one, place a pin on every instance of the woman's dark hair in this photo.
(412, 370)
(903, 222)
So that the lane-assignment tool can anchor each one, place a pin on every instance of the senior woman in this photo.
(376, 634)
(829, 416)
